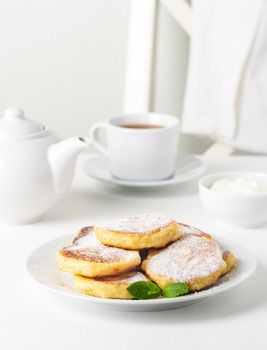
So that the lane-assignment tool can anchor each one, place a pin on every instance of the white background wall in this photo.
(63, 61)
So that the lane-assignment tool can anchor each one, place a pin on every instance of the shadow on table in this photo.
(250, 295)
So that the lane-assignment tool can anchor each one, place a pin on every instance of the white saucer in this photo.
(42, 266)
(188, 168)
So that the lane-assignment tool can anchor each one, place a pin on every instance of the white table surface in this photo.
(32, 317)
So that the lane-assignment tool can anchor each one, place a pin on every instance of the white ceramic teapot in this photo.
(36, 168)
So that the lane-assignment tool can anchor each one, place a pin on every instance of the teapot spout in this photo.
(62, 157)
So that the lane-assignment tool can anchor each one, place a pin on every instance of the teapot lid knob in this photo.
(14, 113)
(15, 124)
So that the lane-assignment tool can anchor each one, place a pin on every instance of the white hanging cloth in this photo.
(226, 93)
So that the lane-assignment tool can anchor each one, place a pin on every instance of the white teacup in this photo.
(140, 147)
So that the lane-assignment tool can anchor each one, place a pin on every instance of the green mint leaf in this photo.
(175, 290)
(144, 290)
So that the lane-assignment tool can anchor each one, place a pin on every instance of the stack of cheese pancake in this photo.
(106, 259)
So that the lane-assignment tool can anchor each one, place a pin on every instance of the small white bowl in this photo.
(236, 210)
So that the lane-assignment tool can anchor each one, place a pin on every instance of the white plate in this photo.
(42, 267)
(188, 167)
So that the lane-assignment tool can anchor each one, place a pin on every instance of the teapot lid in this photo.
(14, 123)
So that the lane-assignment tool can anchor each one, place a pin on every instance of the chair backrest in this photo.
(140, 49)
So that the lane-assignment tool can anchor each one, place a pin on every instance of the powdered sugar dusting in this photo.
(189, 257)
(138, 224)
(186, 229)
(87, 241)
(88, 247)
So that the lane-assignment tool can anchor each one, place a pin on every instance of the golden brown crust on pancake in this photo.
(82, 232)
(94, 269)
(230, 260)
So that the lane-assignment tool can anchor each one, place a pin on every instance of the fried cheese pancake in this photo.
(195, 259)
(139, 232)
(88, 257)
(113, 287)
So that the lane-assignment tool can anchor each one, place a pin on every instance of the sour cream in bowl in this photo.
(238, 199)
